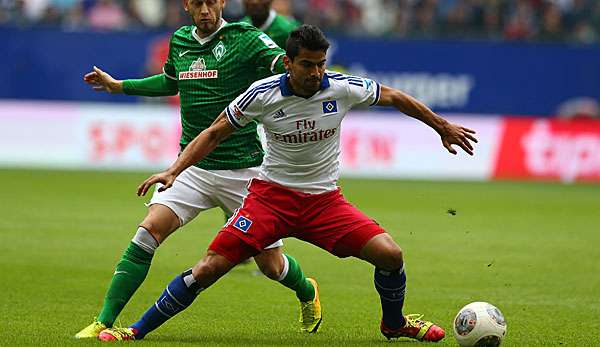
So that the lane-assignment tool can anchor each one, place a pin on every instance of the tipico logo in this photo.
(569, 156)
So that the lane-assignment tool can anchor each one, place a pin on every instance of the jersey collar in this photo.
(207, 39)
(269, 21)
(286, 91)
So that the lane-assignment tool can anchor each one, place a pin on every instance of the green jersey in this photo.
(277, 27)
(209, 74)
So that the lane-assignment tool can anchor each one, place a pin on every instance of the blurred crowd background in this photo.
(521, 20)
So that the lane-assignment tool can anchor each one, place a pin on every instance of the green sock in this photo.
(295, 280)
(129, 275)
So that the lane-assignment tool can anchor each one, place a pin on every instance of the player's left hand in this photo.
(453, 134)
(165, 178)
(103, 82)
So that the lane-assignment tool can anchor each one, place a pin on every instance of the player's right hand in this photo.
(453, 134)
(103, 82)
(165, 178)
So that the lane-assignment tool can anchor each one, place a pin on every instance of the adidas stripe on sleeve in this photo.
(248, 105)
(362, 91)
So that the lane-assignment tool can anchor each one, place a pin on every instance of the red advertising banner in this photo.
(566, 150)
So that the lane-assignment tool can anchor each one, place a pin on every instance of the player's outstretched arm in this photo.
(195, 151)
(157, 85)
(103, 82)
(451, 134)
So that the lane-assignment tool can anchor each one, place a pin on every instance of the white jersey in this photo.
(302, 135)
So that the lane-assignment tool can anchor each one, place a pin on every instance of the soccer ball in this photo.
(479, 324)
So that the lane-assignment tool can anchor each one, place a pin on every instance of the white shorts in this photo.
(196, 190)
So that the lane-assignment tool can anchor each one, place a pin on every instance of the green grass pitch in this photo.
(532, 249)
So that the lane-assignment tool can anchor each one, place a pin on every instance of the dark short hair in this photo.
(308, 37)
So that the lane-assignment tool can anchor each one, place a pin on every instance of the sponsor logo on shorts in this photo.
(242, 224)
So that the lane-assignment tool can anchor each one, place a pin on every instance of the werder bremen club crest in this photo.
(219, 51)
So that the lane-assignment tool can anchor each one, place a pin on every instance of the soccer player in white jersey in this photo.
(295, 194)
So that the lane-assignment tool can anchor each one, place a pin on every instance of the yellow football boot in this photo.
(117, 334)
(310, 312)
(415, 328)
(91, 331)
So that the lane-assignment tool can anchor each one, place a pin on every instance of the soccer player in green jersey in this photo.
(260, 14)
(209, 64)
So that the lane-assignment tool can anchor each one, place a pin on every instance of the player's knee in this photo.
(396, 257)
(160, 222)
(158, 233)
(383, 252)
(392, 257)
(270, 263)
(210, 269)
(271, 270)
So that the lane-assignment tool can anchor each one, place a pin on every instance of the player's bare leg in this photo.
(160, 221)
(130, 272)
(383, 252)
(212, 267)
(286, 270)
(390, 282)
(271, 262)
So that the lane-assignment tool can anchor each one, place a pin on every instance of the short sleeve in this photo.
(169, 67)
(248, 105)
(262, 51)
(363, 91)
